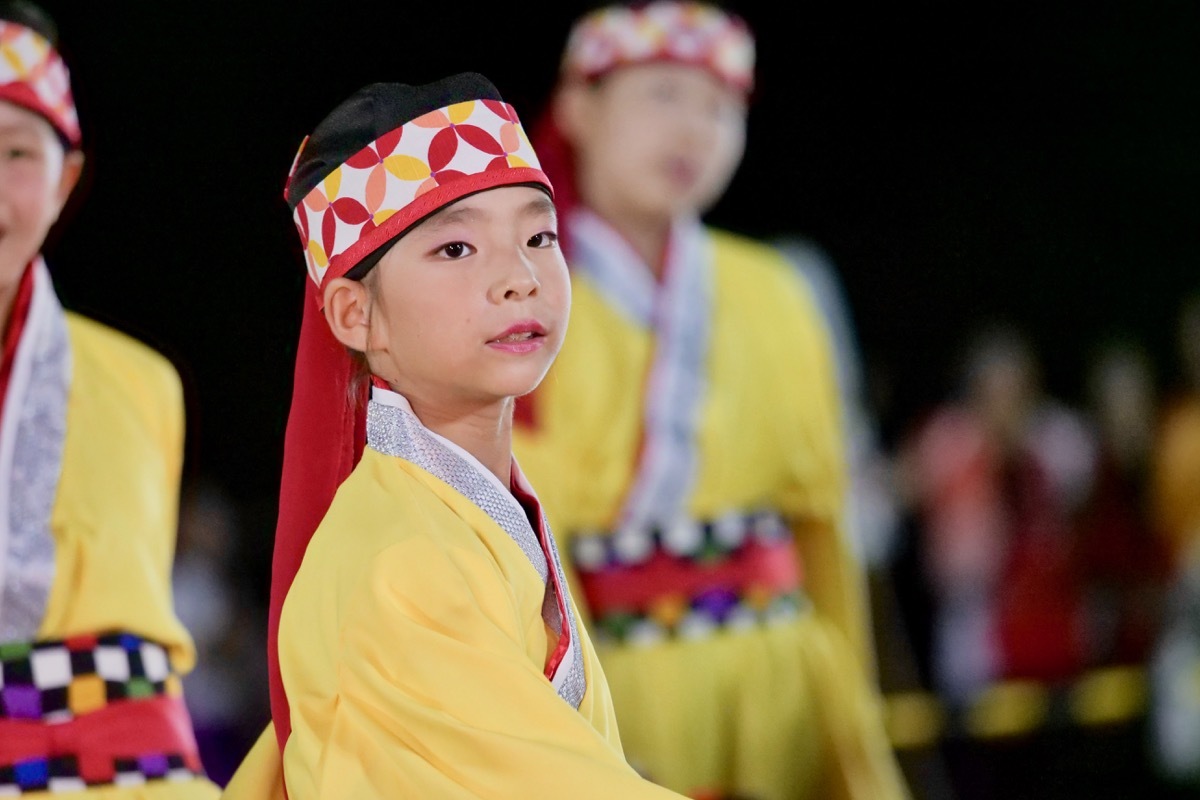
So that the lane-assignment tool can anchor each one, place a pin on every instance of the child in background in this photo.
(423, 640)
(688, 442)
(91, 446)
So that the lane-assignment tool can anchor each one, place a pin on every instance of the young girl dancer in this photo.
(424, 642)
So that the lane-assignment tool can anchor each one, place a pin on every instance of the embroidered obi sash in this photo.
(91, 711)
(690, 579)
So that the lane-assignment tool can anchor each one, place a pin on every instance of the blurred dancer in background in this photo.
(1122, 561)
(1035, 552)
(91, 446)
(688, 443)
(994, 476)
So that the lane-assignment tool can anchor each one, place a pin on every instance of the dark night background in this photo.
(957, 161)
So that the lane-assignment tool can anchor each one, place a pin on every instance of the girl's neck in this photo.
(483, 430)
(648, 235)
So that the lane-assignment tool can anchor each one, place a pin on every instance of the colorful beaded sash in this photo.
(691, 579)
(58, 680)
(91, 711)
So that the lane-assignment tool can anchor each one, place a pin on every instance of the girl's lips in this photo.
(682, 172)
(524, 329)
(523, 337)
(519, 346)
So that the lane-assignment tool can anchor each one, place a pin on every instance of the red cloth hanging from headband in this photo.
(321, 448)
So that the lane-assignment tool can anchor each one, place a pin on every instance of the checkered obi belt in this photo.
(690, 579)
(91, 711)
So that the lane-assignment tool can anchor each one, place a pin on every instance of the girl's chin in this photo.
(668, 208)
(486, 393)
(516, 387)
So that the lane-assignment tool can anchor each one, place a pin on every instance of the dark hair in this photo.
(31, 16)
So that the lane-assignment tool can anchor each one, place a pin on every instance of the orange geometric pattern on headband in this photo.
(32, 74)
(433, 150)
(692, 33)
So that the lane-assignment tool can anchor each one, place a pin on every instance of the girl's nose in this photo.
(516, 282)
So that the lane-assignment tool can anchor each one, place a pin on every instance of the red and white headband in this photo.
(408, 174)
(33, 76)
(678, 31)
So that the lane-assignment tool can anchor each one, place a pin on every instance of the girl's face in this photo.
(35, 179)
(471, 306)
(659, 140)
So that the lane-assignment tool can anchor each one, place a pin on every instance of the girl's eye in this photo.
(456, 250)
(18, 152)
(543, 239)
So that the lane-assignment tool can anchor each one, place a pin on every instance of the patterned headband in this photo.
(33, 76)
(665, 30)
(406, 175)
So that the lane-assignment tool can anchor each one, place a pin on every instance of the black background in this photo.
(957, 161)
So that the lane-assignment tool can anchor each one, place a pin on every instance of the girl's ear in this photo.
(348, 312)
(71, 172)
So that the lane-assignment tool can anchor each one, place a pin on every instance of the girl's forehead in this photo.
(500, 203)
(16, 119)
(672, 71)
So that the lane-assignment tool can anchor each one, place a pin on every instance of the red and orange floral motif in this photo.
(478, 143)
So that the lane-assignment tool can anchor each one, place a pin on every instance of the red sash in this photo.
(151, 738)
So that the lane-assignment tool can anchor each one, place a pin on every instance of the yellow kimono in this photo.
(1176, 478)
(415, 639)
(90, 454)
(705, 531)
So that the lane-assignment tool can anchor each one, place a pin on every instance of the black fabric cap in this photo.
(31, 16)
(370, 113)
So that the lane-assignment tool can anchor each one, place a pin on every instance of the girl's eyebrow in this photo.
(450, 216)
(539, 206)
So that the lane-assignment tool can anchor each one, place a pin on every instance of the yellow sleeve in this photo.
(166, 415)
(116, 513)
(259, 776)
(438, 698)
(173, 446)
(1175, 479)
(833, 575)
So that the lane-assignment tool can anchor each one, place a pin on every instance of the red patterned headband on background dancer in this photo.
(33, 76)
(381, 162)
(680, 31)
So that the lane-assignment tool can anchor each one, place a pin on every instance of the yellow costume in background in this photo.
(92, 651)
(413, 646)
(723, 683)
(1176, 477)
(118, 499)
